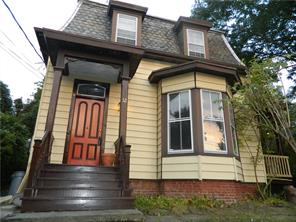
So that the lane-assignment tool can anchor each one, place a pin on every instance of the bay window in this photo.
(179, 122)
(214, 138)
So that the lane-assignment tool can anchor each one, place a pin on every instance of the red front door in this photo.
(86, 132)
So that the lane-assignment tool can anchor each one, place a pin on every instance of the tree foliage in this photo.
(17, 125)
(260, 28)
(5, 101)
(263, 111)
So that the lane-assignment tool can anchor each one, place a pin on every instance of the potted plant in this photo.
(108, 159)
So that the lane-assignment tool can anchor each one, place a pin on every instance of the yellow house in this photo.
(144, 88)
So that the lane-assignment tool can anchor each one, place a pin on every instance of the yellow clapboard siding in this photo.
(142, 120)
(212, 82)
(180, 82)
(246, 153)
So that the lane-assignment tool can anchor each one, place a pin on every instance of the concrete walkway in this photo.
(77, 216)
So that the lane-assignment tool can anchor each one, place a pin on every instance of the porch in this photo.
(79, 181)
(277, 167)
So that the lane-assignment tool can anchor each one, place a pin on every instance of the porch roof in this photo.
(53, 41)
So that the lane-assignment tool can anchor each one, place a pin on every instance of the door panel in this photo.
(84, 147)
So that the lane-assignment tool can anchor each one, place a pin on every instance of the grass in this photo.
(205, 209)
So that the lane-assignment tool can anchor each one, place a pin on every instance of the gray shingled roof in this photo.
(91, 20)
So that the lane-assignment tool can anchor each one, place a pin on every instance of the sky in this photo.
(20, 66)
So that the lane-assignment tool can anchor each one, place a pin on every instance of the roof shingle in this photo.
(92, 20)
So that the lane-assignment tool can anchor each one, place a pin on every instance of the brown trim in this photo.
(164, 127)
(123, 103)
(116, 5)
(71, 112)
(193, 22)
(105, 118)
(202, 66)
(139, 25)
(227, 124)
(57, 78)
(185, 37)
(197, 120)
(52, 41)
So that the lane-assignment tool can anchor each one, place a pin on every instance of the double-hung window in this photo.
(214, 137)
(195, 43)
(179, 122)
(126, 29)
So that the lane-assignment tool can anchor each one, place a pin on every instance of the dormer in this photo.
(126, 22)
(193, 36)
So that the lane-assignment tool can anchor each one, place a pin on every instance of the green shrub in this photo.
(159, 205)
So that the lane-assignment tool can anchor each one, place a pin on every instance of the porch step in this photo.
(78, 168)
(109, 175)
(68, 187)
(76, 192)
(65, 204)
(76, 182)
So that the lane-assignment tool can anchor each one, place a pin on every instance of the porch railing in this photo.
(277, 166)
(122, 153)
(40, 156)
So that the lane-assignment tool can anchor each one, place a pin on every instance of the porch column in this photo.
(123, 102)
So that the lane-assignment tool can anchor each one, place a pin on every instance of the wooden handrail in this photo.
(122, 153)
(40, 156)
(277, 166)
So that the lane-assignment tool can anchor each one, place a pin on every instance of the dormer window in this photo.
(195, 43)
(126, 29)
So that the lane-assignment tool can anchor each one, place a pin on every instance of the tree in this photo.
(5, 101)
(29, 111)
(17, 127)
(256, 29)
(261, 108)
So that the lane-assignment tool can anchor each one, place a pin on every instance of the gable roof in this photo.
(92, 20)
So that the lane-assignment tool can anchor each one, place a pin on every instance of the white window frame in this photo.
(209, 119)
(203, 40)
(116, 29)
(170, 151)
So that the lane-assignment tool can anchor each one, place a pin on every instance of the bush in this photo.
(159, 205)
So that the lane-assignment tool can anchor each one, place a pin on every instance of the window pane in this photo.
(127, 22)
(174, 106)
(94, 90)
(216, 105)
(186, 135)
(126, 29)
(206, 103)
(196, 48)
(184, 99)
(195, 37)
(175, 143)
(214, 136)
(126, 34)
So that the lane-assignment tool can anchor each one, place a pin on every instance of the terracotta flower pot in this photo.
(108, 159)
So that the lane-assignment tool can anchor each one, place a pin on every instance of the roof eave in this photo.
(230, 73)
(51, 41)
